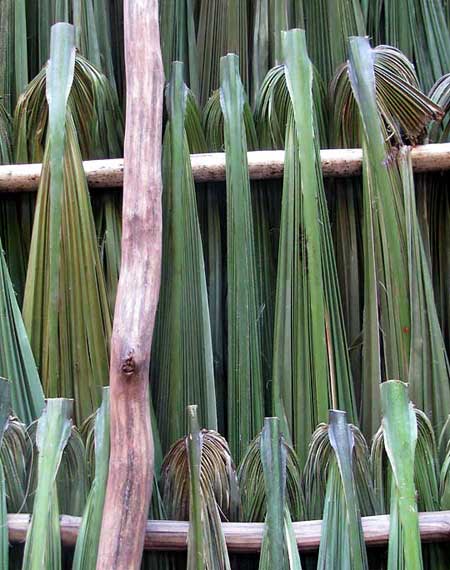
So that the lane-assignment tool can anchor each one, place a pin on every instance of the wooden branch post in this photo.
(131, 462)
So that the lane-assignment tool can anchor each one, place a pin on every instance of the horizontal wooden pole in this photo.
(263, 165)
(246, 537)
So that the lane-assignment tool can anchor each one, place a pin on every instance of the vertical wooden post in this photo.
(131, 463)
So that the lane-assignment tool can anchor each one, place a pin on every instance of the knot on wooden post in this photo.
(129, 365)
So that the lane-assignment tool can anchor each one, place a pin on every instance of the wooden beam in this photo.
(263, 164)
(131, 460)
(246, 537)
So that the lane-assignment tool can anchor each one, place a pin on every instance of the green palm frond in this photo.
(426, 480)
(279, 547)
(328, 25)
(218, 471)
(439, 200)
(425, 466)
(398, 291)
(429, 369)
(211, 200)
(316, 473)
(73, 467)
(64, 248)
(245, 380)
(270, 18)
(252, 483)
(342, 541)
(99, 125)
(6, 19)
(273, 107)
(311, 368)
(117, 47)
(400, 438)
(182, 361)
(87, 40)
(93, 104)
(393, 317)
(405, 111)
(206, 542)
(92, 20)
(102, 14)
(87, 433)
(16, 357)
(418, 28)
(107, 210)
(344, 198)
(5, 136)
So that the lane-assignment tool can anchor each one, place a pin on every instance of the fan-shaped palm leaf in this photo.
(178, 40)
(316, 473)
(13, 456)
(252, 482)
(397, 280)
(222, 28)
(279, 547)
(419, 29)
(199, 483)
(13, 51)
(262, 202)
(342, 541)
(426, 466)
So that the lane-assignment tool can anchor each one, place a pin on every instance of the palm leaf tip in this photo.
(279, 548)
(400, 436)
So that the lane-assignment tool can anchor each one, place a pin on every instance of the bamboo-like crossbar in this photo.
(245, 537)
(263, 165)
